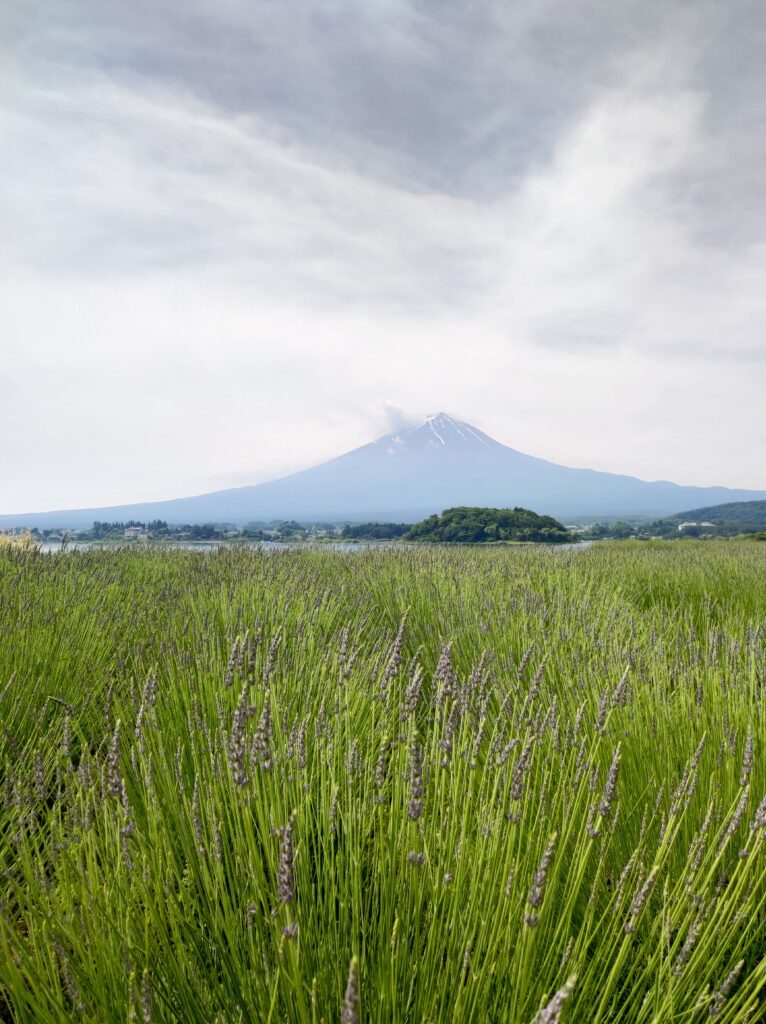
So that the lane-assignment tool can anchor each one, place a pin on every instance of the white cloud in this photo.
(194, 296)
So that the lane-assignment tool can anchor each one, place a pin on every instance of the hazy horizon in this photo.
(238, 240)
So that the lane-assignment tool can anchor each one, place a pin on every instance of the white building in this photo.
(135, 533)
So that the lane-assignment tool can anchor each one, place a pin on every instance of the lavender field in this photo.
(413, 785)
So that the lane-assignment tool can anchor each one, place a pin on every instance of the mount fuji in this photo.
(408, 475)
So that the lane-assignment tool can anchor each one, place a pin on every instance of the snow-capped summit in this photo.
(439, 431)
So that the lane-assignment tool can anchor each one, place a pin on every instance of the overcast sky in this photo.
(239, 237)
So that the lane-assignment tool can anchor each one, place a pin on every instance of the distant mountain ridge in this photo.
(411, 474)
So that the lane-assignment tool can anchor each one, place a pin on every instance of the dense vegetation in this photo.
(374, 531)
(752, 512)
(159, 530)
(715, 521)
(483, 525)
(507, 784)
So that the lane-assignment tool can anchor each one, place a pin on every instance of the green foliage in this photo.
(374, 531)
(715, 521)
(751, 512)
(485, 525)
(618, 530)
(419, 784)
(158, 529)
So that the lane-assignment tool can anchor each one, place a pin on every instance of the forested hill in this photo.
(484, 525)
(752, 512)
(735, 517)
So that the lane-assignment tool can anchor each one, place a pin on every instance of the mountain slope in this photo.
(407, 476)
(750, 512)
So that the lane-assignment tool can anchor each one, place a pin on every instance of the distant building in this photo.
(686, 526)
(135, 533)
